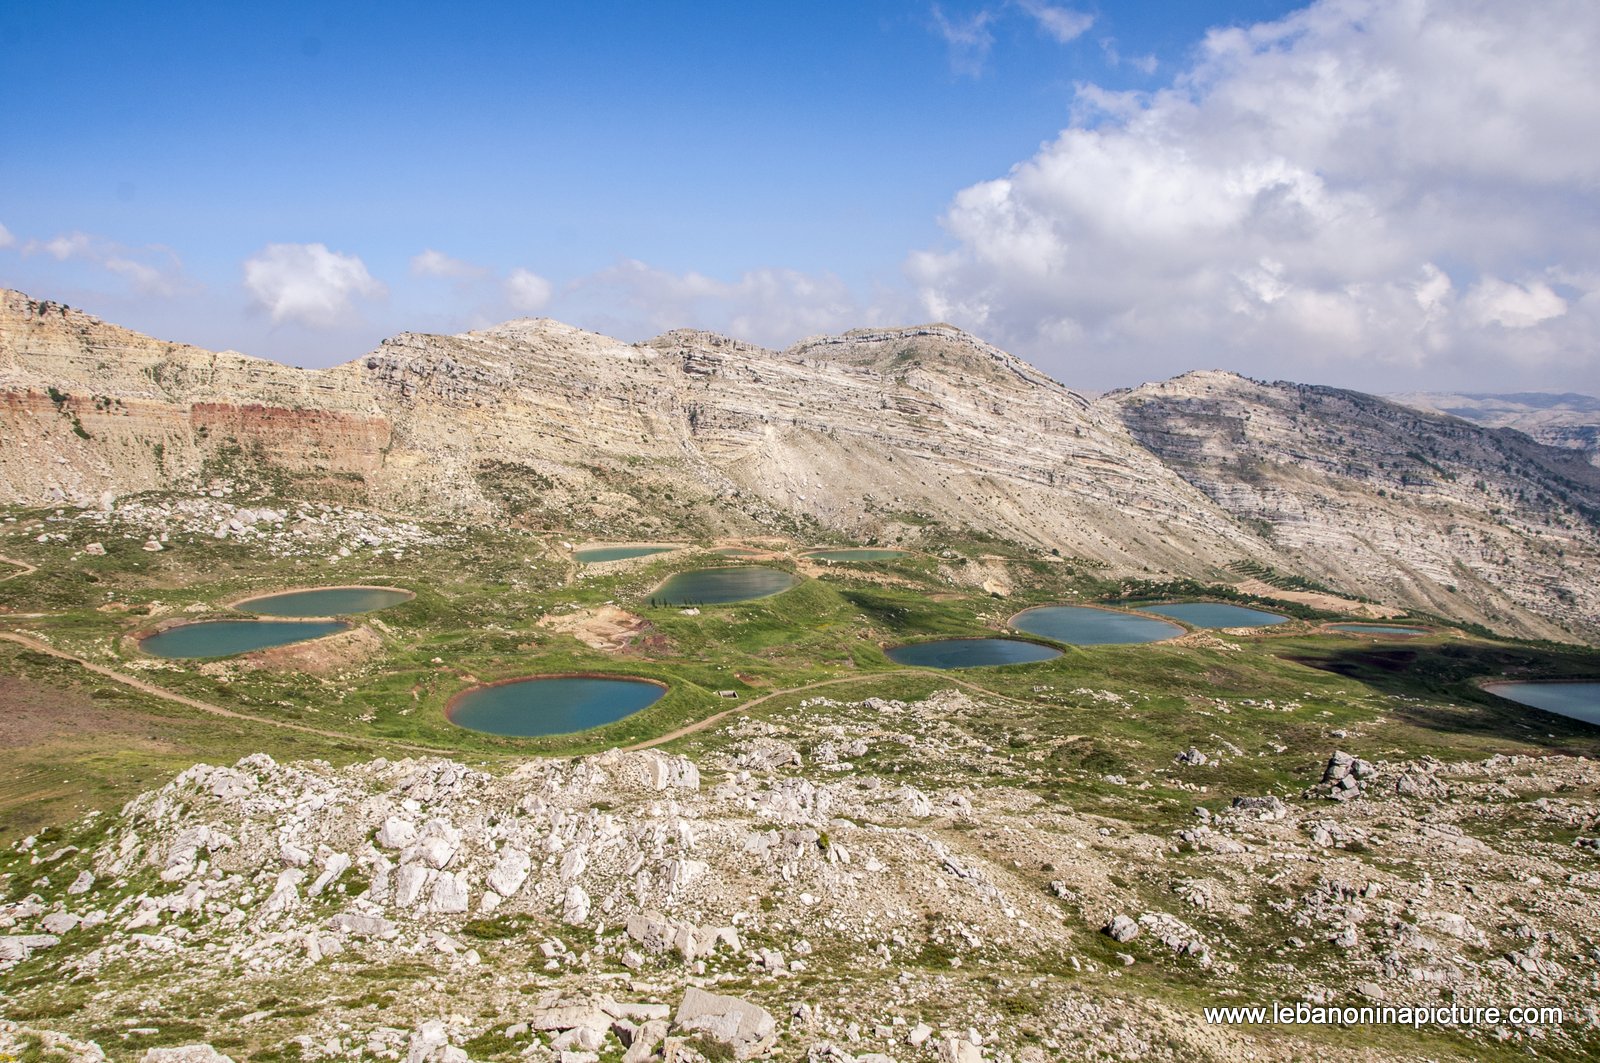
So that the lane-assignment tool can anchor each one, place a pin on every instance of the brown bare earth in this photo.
(1330, 602)
(605, 627)
(325, 656)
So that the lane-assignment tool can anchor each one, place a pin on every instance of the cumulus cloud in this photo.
(151, 270)
(307, 283)
(770, 306)
(431, 263)
(1382, 183)
(526, 291)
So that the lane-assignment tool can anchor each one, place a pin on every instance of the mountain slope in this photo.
(869, 434)
(1388, 501)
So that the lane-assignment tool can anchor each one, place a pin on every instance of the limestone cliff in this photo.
(1385, 500)
(875, 433)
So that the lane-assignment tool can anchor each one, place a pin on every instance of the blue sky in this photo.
(1063, 179)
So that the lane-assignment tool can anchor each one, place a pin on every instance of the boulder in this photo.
(746, 1028)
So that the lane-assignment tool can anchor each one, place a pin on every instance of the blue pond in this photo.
(1081, 625)
(1215, 614)
(223, 638)
(970, 653)
(857, 554)
(591, 554)
(529, 708)
(328, 601)
(1578, 701)
(720, 586)
(1377, 629)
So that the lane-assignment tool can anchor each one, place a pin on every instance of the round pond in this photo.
(326, 601)
(721, 586)
(550, 705)
(1377, 629)
(969, 653)
(1082, 625)
(589, 555)
(1578, 701)
(1215, 614)
(863, 553)
(224, 638)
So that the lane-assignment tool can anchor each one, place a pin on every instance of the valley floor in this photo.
(1062, 860)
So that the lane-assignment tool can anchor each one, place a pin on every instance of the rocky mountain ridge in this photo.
(873, 434)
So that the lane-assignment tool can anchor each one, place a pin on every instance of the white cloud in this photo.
(152, 270)
(6, 239)
(1061, 23)
(526, 291)
(968, 38)
(1321, 187)
(431, 263)
(769, 306)
(1494, 301)
(308, 283)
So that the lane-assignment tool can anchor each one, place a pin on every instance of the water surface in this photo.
(1215, 614)
(863, 553)
(970, 653)
(224, 638)
(589, 555)
(1578, 701)
(327, 601)
(720, 586)
(529, 708)
(1378, 629)
(1081, 625)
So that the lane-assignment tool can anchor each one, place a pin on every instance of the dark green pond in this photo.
(719, 586)
(857, 554)
(969, 653)
(1081, 625)
(1378, 629)
(329, 601)
(1578, 701)
(591, 554)
(530, 708)
(1215, 614)
(224, 638)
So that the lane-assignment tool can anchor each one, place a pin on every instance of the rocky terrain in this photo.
(783, 897)
(1386, 501)
(1558, 420)
(870, 435)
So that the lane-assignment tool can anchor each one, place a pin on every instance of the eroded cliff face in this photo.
(1388, 501)
(872, 433)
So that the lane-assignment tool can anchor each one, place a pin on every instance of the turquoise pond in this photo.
(591, 554)
(1081, 625)
(328, 601)
(1578, 701)
(531, 708)
(970, 653)
(720, 586)
(1215, 614)
(856, 554)
(224, 638)
(1377, 629)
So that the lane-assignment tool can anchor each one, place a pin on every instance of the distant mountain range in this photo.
(888, 434)
(1566, 419)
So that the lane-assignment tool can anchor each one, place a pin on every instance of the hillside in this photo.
(1385, 500)
(1559, 420)
(872, 435)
